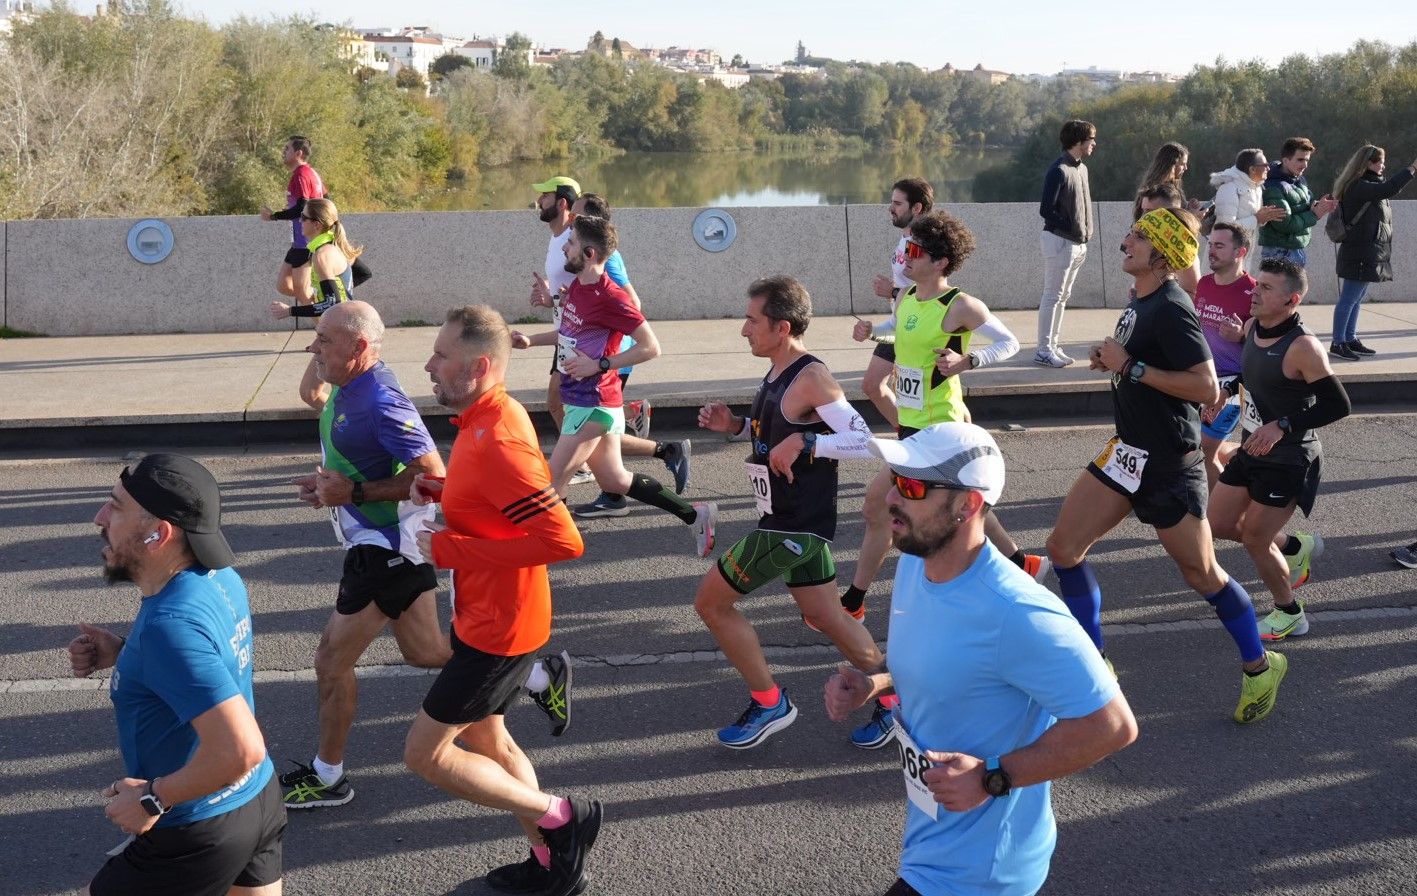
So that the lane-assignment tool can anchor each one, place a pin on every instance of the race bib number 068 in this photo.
(913, 766)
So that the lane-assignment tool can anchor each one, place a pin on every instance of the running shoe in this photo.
(1341, 350)
(555, 700)
(1279, 625)
(704, 525)
(605, 505)
(1110, 668)
(859, 614)
(876, 733)
(1258, 692)
(1311, 548)
(676, 458)
(302, 788)
(1058, 353)
(1037, 566)
(1405, 556)
(581, 477)
(1049, 359)
(569, 844)
(637, 417)
(526, 877)
(1358, 348)
(758, 722)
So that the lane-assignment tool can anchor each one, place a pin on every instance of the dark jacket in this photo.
(1067, 200)
(1366, 253)
(1291, 194)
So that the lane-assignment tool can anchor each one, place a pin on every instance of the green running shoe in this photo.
(1312, 547)
(555, 701)
(1258, 692)
(1279, 625)
(302, 788)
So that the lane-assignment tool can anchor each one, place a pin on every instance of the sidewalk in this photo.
(232, 388)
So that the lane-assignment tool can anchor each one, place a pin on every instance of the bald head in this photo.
(347, 341)
(358, 318)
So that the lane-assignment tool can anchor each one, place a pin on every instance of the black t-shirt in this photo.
(1162, 331)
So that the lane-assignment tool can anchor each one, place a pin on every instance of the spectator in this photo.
(1239, 192)
(1066, 208)
(1286, 188)
(1365, 255)
(1168, 167)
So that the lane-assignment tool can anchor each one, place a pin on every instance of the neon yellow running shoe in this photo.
(1258, 692)
(1279, 625)
(1311, 548)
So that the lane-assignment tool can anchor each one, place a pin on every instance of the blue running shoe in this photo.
(676, 458)
(876, 733)
(757, 722)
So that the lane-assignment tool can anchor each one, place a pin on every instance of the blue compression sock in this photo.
(1232, 604)
(1083, 597)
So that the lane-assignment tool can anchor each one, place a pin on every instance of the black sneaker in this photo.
(605, 505)
(302, 788)
(526, 877)
(569, 844)
(1357, 347)
(555, 700)
(676, 458)
(1341, 350)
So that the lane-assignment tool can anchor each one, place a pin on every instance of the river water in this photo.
(668, 179)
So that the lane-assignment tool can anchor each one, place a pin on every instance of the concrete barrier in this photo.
(76, 278)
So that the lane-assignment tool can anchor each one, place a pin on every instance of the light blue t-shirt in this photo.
(616, 271)
(983, 665)
(190, 649)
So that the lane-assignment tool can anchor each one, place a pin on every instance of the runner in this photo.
(373, 443)
(595, 316)
(910, 198)
(504, 525)
(1223, 307)
(800, 425)
(1161, 370)
(305, 184)
(1291, 391)
(1000, 692)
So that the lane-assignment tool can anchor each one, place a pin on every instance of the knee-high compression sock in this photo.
(1083, 597)
(1232, 604)
(647, 490)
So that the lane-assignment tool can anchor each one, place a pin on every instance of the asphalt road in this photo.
(1321, 798)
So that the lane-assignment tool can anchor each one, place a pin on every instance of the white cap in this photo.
(959, 454)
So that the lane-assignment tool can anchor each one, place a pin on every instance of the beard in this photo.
(925, 540)
(575, 264)
(902, 223)
(547, 215)
(118, 569)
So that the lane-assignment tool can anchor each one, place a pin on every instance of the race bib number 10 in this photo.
(759, 479)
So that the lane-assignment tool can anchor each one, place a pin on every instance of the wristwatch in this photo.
(996, 781)
(973, 361)
(1284, 424)
(1138, 368)
(356, 494)
(150, 803)
(604, 364)
(809, 444)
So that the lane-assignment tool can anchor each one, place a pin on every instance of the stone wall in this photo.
(75, 277)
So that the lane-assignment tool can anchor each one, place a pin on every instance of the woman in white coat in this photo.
(1238, 191)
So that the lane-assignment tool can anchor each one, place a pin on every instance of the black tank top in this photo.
(1276, 395)
(808, 503)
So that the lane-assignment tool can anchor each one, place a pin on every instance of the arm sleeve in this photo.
(1048, 205)
(1330, 405)
(885, 330)
(1003, 343)
(184, 666)
(850, 436)
(289, 214)
(359, 272)
(515, 479)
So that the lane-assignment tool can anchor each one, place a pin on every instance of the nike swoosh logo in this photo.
(897, 612)
(1275, 497)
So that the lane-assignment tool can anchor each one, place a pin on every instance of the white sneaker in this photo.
(1049, 359)
(704, 525)
(581, 477)
(1062, 357)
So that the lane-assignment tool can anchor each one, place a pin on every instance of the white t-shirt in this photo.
(902, 282)
(556, 274)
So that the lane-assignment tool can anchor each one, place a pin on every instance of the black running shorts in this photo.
(901, 888)
(384, 577)
(297, 258)
(1165, 496)
(239, 848)
(1275, 485)
(474, 685)
(885, 351)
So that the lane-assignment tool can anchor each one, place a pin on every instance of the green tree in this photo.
(512, 62)
(446, 64)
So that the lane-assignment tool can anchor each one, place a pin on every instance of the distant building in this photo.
(481, 53)
(415, 51)
(1102, 77)
(12, 11)
(986, 75)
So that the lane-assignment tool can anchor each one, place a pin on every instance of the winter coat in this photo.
(1291, 194)
(1366, 253)
(1237, 198)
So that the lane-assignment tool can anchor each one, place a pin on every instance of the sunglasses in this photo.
(915, 489)
(914, 249)
(308, 218)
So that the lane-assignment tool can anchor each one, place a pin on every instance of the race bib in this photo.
(1250, 414)
(565, 350)
(909, 386)
(913, 765)
(761, 484)
(1122, 463)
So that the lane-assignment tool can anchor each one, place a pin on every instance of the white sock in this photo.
(537, 679)
(328, 773)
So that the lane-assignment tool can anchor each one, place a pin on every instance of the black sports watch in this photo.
(150, 803)
(997, 782)
(604, 364)
(1284, 424)
(356, 494)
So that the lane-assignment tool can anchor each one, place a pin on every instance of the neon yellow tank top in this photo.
(923, 395)
(314, 246)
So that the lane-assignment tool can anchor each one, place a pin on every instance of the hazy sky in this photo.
(1022, 36)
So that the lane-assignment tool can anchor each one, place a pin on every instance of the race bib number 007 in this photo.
(1122, 463)
(909, 386)
(761, 484)
(913, 766)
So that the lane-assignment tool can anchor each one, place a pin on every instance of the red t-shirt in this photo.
(594, 320)
(304, 183)
(1215, 304)
(505, 524)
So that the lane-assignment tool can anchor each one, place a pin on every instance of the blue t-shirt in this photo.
(370, 430)
(190, 649)
(615, 270)
(983, 665)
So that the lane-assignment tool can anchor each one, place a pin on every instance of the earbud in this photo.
(152, 537)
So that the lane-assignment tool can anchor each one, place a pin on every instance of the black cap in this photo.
(183, 492)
